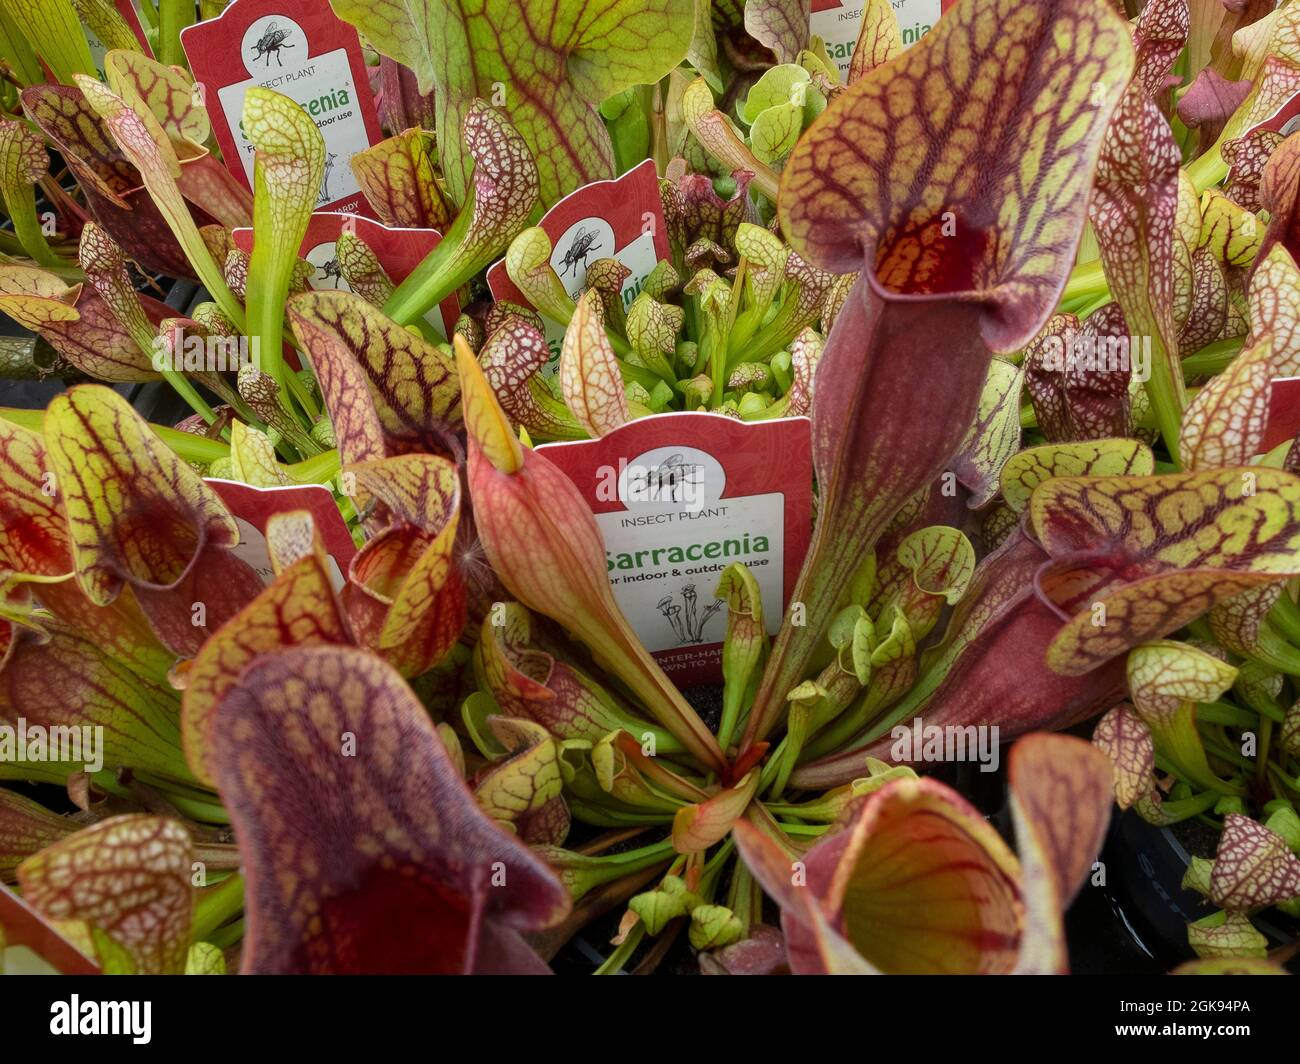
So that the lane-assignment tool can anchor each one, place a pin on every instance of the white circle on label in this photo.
(269, 41)
(325, 258)
(671, 478)
(578, 247)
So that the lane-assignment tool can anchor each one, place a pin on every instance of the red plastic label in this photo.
(302, 50)
(680, 497)
(621, 219)
(252, 507)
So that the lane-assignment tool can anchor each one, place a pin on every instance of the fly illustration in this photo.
(584, 243)
(668, 481)
(270, 43)
(330, 269)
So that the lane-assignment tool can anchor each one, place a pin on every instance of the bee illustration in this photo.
(584, 243)
(270, 43)
(330, 269)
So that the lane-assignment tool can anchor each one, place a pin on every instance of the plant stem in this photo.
(1212, 358)
(613, 964)
(216, 905)
(1167, 397)
(173, 16)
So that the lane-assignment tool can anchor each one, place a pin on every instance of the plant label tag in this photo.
(253, 507)
(621, 219)
(302, 50)
(1283, 413)
(399, 251)
(837, 22)
(679, 497)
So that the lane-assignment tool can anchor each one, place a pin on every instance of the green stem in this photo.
(434, 279)
(318, 469)
(27, 227)
(1225, 713)
(1212, 358)
(1209, 169)
(226, 936)
(1085, 282)
(216, 905)
(173, 16)
(613, 964)
(1165, 391)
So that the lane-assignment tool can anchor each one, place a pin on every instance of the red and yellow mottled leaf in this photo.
(1233, 233)
(1133, 211)
(781, 25)
(25, 828)
(525, 783)
(1275, 308)
(1114, 457)
(77, 323)
(1166, 680)
(1238, 623)
(1226, 935)
(512, 357)
(397, 177)
(69, 682)
(136, 513)
(1157, 552)
(1125, 739)
(129, 877)
(1208, 312)
(528, 681)
(1225, 423)
(1159, 35)
(167, 91)
(252, 457)
(410, 391)
(1060, 803)
(589, 373)
(296, 609)
(405, 596)
(558, 60)
(1253, 867)
(879, 39)
(857, 182)
(995, 435)
(347, 809)
(360, 267)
